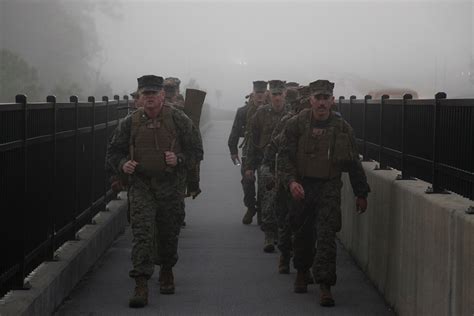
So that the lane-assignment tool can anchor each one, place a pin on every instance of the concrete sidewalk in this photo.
(222, 269)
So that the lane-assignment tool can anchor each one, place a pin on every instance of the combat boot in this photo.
(140, 297)
(248, 217)
(269, 246)
(325, 296)
(284, 264)
(300, 285)
(166, 281)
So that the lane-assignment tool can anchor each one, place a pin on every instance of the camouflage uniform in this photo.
(282, 198)
(238, 131)
(318, 217)
(260, 130)
(155, 199)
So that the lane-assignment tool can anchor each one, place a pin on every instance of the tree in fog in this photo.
(17, 77)
(59, 39)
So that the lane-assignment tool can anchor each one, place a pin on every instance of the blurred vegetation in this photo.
(52, 47)
(17, 76)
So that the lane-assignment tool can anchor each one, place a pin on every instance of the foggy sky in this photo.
(424, 45)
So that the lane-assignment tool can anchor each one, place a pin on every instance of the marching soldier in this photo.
(239, 127)
(153, 145)
(318, 147)
(260, 130)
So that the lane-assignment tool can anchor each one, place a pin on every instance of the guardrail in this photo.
(429, 139)
(53, 177)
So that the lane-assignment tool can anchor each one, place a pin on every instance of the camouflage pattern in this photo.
(155, 223)
(282, 207)
(267, 200)
(317, 218)
(265, 119)
(238, 131)
(155, 201)
(282, 199)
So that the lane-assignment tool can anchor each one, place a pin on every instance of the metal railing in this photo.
(53, 179)
(429, 139)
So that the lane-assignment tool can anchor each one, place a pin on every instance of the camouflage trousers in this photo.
(267, 204)
(248, 186)
(316, 220)
(156, 221)
(285, 235)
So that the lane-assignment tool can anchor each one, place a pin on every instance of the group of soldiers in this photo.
(295, 147)
(155, 152)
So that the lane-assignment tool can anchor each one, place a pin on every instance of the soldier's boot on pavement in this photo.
(325, 296)
(309, 277)
(140, 296)
(284, 264)
(166, 281)
(269, 245)
(300, 285)
(248, 217)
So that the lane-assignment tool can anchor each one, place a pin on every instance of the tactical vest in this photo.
(270, 121)
(324, 152)
(151, 138)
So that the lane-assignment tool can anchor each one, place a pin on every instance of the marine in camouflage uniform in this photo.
(178, 100)
(318, 146)
(282, 197)
(238, 130)
(153, 145)
(261, 127)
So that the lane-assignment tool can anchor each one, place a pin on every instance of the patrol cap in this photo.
(292, 84)
(304, 91)
(277, 86)
(170, 87)
(321, 87)
(150, 83)
(176, 81)
(260, 86)
(291, 95)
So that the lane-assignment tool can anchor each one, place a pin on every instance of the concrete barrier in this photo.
(417, 248)
(52, 282)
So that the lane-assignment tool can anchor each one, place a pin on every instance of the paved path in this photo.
(222, 269)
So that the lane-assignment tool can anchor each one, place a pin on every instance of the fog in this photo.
(425, 46)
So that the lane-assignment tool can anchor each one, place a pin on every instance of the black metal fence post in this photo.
(351, 104)
(404, 174)
(91, 100)
(381, 165)
(106, 100)
(74, 99)
(19, 249)
(53, 201)
(436, 188)
(117, 98)
(364, 128)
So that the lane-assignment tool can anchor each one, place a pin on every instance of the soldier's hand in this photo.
(361, 204)
(235, 159)
(171, 159)
(249, 175)
(129, 166)
(297, 191)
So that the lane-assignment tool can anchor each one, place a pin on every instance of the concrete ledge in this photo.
(52, 282)
(417, 248)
